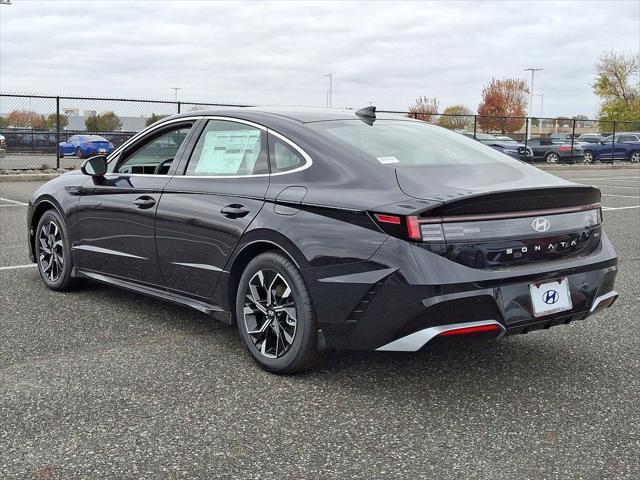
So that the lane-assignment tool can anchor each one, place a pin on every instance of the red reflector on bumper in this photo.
(466, 330)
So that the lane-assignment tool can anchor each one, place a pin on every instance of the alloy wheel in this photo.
(588, 157)
(51, 258)
(635, 157)
(270, 316)
(552, 158)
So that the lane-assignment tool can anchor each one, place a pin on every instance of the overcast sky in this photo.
(278, 53)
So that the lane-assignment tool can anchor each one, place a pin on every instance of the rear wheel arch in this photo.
(251, 248)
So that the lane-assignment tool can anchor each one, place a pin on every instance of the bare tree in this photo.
(424, 109)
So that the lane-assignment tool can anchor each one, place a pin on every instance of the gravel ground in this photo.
(102, 383)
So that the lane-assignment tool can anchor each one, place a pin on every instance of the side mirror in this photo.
(94, 166)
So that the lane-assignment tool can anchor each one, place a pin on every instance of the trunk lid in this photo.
(478, 189)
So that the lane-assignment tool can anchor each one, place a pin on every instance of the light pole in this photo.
(541, 111)
(330, 75)
(175, 91)
(533, 72)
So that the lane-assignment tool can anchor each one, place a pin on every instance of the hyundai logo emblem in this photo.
(541, 224)
(550, 297)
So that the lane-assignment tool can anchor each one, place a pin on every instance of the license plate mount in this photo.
(550, 297)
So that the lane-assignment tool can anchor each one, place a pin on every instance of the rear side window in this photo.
(228, 148)
(283, 156)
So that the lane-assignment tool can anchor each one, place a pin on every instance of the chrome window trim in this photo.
(305, 155)
(144, 132)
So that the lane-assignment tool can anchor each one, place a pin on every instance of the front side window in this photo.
(156, 155)
(227, 148)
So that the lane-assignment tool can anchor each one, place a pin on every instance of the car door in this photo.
(534, 144)
(207, 206)
(116, 213)
(624, 145)
(67, 148)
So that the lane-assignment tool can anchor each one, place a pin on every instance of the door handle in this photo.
(235, 210)
(145, 201)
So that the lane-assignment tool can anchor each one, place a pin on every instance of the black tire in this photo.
(552, 157)
(79, 153)
(301, 353)
(55, 263)
(634, 157)
(588, 157)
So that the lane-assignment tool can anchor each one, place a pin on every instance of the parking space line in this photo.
(623, 196)
(12, 201)
(618, 186)
(608, 178)
(15, 267)
(21, 205)
(608, 209)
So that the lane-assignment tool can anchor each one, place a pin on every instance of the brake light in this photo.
(413, 228)
(399, 226)
(392, 219)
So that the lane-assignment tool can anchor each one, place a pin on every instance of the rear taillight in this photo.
(476, 228)
(564, 148)
(407, 227)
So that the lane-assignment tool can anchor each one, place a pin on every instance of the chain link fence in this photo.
(43, 132)
(575, 139)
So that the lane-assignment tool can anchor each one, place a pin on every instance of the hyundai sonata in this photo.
(320, 229)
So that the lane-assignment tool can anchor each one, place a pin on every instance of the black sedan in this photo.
(320, 229)
(555, 151)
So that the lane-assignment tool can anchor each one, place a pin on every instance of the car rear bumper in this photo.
(403, 307)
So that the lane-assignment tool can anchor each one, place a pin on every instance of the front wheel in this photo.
(275, 315)
(588, 157)
(79, 153)
(53, 252)
(634, 157)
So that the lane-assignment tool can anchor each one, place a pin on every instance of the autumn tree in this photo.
(104, 122)
(456, 117)
(154, 118)
(503, 98)
(424, 109)
(620, 96)
(25, 119)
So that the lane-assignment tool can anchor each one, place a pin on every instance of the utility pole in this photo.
(330, 75)
(541, 111)
(175, 90)
(533, 71)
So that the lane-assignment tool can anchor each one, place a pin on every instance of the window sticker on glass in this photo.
(224, 151)
(385, 160)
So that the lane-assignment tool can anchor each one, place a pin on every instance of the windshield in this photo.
(409, 143)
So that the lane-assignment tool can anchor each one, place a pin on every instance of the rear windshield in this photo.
(410, 143)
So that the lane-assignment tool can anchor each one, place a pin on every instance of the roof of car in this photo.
(299, 114)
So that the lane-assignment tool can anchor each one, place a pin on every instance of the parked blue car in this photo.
(84, 146)
(625, 147)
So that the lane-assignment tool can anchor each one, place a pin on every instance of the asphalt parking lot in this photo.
(102, 383)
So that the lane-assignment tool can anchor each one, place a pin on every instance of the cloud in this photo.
(278, 53)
